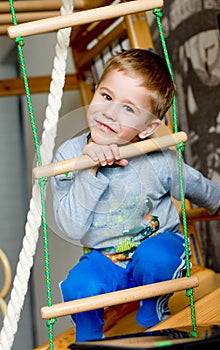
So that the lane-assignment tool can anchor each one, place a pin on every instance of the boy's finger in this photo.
(115, 151)
(122, 162)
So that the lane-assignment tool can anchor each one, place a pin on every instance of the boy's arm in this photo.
(198, 189)
(75, 197)
(201, 191)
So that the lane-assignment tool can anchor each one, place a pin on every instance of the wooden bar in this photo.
(139, 31)
(201, 214)
(83, 58)
(119, 297)
(82, 17)
(39, 5)
(83, 35)
(3, 29)
(45, 5)
(6, 18)
(131, 150)
(15, 86)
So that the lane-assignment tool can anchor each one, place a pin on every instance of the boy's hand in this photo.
(105, 154)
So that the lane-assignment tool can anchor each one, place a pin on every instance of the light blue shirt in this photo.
(103, 210)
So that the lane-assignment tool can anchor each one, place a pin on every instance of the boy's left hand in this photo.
(105, 154)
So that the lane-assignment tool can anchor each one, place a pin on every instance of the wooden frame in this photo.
(82, 17)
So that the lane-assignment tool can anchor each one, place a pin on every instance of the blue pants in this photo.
(157, 259)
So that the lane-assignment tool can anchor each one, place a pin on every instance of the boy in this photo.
(121, 211)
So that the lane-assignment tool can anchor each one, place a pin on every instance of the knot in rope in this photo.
(51, 322)
(157, 12)
(19, 40)
(43, 181)
(181, 146)
(189, 292)
(193, 334)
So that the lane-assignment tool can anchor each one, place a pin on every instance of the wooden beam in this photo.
(127, 151)
(201, 214)
(27, 11)
(3, 29)
(6, 18)
(38, 5)
(119, 297)
(47, 5)
(13, 87)
(84, 58)
(82, 17)
(139, 31)
(81, 36)
(78, 32)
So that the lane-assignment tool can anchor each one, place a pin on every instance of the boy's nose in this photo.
(112, 110)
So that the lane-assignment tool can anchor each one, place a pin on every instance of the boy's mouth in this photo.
(105, 128)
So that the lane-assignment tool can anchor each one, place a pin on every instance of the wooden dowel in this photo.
(6, 18)
(82, 17)
(38, 5)
(3, 29)
(201, 214)
(15, 86)
(119, 297)
(131, 150)
(45, 5)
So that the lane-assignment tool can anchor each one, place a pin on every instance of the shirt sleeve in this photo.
(75, 197)
(200, 190)
(197, 188)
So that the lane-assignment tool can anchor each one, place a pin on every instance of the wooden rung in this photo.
(131, 150)
(82, 17)
(15, 86)
(201, 214)
(45, 5)
(6, 18)
(119, 297)
(36, 5)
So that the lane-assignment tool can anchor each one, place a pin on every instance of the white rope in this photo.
(20, 284)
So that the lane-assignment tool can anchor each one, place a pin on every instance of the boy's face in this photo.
(120, 110)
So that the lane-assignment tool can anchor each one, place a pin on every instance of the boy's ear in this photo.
(150, 129)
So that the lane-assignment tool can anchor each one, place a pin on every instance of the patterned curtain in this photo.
(191, 28)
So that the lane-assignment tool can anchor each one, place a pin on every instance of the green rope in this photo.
(180, 149)
(42, 181)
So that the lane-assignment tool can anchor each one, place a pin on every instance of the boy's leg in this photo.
(94, 274)
(157, 259)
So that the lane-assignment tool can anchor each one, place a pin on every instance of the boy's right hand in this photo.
(104, 154)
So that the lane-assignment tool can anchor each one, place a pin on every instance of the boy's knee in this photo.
(73, 289)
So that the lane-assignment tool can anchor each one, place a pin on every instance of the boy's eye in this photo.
(128, 109)
(107, 97)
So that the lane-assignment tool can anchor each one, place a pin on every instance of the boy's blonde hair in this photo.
(153, 71)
